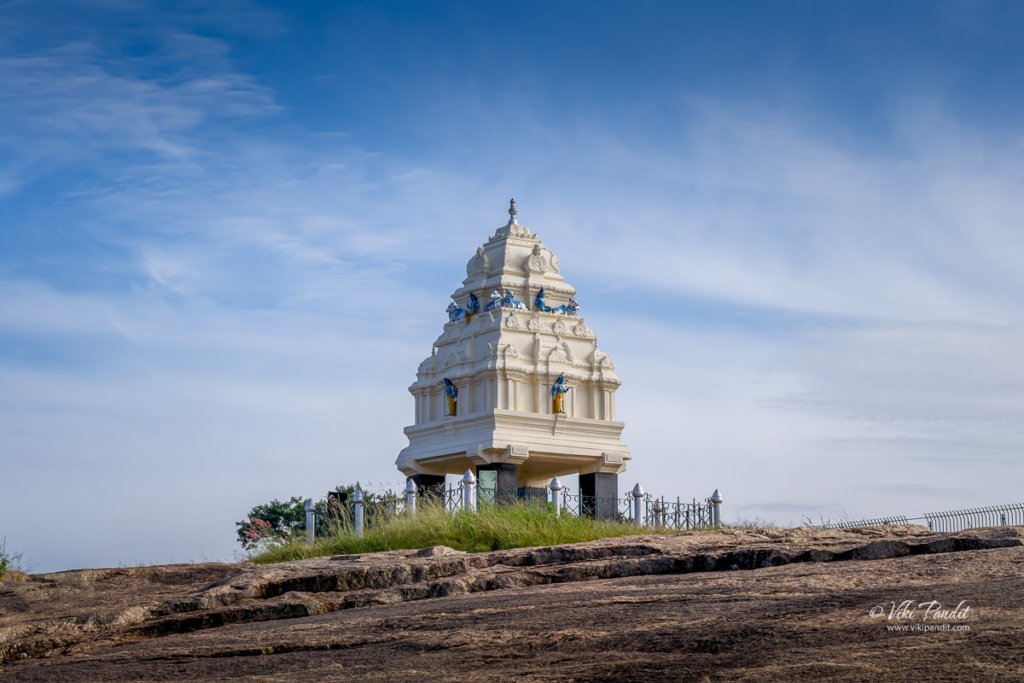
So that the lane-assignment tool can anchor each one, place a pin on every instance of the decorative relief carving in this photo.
(582, 330)
(558, 355)
(511, 353)
(520, 231)
(554, 262)
(560, 327)
(537, 261)
(479, 265)
(512, 322)
(535, 324)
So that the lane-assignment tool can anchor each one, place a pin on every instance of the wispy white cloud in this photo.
(812, 323)
(763, 212)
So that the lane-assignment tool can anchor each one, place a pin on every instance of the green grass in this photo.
(492, 528)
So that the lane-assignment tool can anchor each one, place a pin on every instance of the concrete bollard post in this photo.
(638, 495)
(357, 501)
(556, 495)
(716, 509)
(469, 491)
(656, 509)
(410, 496)
(310, 522)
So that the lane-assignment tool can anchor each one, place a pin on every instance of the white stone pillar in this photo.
(310, 522)
(357, 500)
(556, 495)
(410, 496)
(469, 491)
(638, 496)
(716, 509)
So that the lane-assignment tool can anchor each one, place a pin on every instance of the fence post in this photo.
(716, 510)
(310, 522)
(410, 496)
(656, 509)
(638, 495)
(468, 491)
(357, 499)
(556, 490)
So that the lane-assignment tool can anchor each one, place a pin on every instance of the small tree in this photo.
(279, 522)
(272, 522)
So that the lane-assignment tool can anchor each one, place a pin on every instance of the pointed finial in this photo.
(512, 212)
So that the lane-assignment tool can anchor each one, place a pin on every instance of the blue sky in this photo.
(228, 232)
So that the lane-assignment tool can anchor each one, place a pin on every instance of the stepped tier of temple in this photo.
(516, 383)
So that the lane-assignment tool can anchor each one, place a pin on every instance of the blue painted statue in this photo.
(472, 307)
(510, 300)
(452, 392)
(454, 312)
(538, 303)
(558, 392)
(571, 308)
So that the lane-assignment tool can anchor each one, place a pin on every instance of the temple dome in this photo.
(514, 330)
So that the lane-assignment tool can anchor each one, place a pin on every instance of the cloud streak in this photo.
(206, 298)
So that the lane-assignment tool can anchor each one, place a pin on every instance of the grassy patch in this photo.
(492, 528)
(10, 564)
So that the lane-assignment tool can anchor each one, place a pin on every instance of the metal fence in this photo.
(971, 518)
(949, 520)
(654, 512)
(637, 507)
(874, 521)
(679, 514)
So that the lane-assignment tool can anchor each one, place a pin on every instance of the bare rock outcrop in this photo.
(229, 610)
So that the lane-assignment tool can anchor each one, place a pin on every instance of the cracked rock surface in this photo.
(790, 604)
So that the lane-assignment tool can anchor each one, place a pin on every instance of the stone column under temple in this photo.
(429, 486)
(600, 491)
(503, 482)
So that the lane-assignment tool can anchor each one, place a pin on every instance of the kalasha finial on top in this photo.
(512, 212)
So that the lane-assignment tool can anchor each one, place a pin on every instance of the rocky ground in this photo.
(789, 605)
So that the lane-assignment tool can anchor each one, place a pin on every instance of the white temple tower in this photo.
(502, 351)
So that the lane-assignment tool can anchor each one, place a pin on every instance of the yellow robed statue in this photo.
(558, 392)
(452, 392)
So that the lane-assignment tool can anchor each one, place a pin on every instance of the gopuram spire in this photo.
(516, 387)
